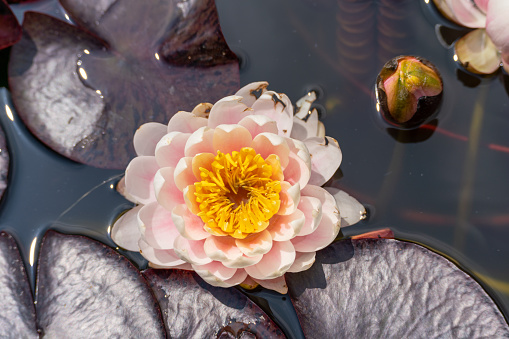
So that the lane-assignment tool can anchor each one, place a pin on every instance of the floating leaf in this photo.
(195, 309)
(4, 161)
(391, 289)
(477, 53)
(18, 313)
(86, 288)
(10, 30)
(85, 90)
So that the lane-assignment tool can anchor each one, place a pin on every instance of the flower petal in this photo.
(251, 92)
(325, 159)
(202, 160)
(221, 248)
(229, 110)
(170, 148)
(350, 210)
(139, 177)
(191, 251)
(303, 261)
(312, 209)
(190, 199)
(243, 261)
(156, 226)
(200, 142)
(186, 122)
(277, 284)
(167, 193)
(183, 174)
(467, 13)
(189, 225)
(229, 138)
(299, 164)
(277, 107)
(286, 227)
(125, 232)
(202, 110)
(255, 244)
(325, 233)
(268, 143)
(496, 26)
(257, 124)
(308, 127)
(147, 136)
(161, 258)
(477, 53)
(289, 197)
(216, 273)
(275, 263)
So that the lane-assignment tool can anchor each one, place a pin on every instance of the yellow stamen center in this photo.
(237, 196)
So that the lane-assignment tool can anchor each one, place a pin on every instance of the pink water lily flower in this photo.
(487, 47)
(232, 190)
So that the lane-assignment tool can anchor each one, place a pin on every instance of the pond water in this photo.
(443, 186)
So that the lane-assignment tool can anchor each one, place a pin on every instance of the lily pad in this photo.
(194, 309)
(126, 63)
(87, 288)
(17, 319)
(10, 30)
(4, 163)
(386, 288)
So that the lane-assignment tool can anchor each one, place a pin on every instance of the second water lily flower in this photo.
(232, 190)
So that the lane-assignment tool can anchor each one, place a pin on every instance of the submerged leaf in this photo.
(85, 96)
(391, 289)
(17, 319)
(477, 53)
(86, 288)
(194, 309)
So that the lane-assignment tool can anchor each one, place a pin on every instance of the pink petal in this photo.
(139, 177)
(183, 174)
(200, 142)
(275, 263)
(166, 191)
(189, 225)
(147, 136)
(285, 227)
(222, 248)
(185, 266)
(121, 189)
(325, 159)
(467, 14)
(202, 110)
(350, 210)
(497, 24)
(255, 244)
(125, 232)
(252, 91)
(307, 127)
(156, 226)
(216, 273)
(190, 199)
(321, 237)
(312, 209)
(191, 251)
(303, 261)
(161, 258)
(170, 149)
(229, 138)
(299, 164)
(243, 261)
(277, 284)
(186, 122)
(202, 160)
(277, 107)
(266, 144)
(327, 200)
(257, 124)
(229, 110)
(482, 4)
(289, 197)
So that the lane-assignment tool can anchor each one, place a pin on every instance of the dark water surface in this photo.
(447, 189)
(444, 186)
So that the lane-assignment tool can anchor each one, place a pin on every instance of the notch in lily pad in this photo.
(409, 91)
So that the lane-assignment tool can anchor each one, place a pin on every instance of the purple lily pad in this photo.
(17, 319)
(10, 30)
(85, 90)
(86, 288)
(194, 309)
(391, 289)
(4, 163)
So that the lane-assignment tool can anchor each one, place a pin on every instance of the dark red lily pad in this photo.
(85, 90)
(17, 319)
(391, 289)
(87, 289)
(194, 309)
(10, 30)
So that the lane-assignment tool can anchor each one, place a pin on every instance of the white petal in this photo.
(147, 136)
(275, 263)
(191, 251)
(216, 274)
(350, 210)
(277, 284)
(186, 122)
(303, 261)
(139, 178)
(257, 124)
(252, 91)
(229, 110)
(325, 159)
(125, 232)
(161, 258)
(277, 107)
